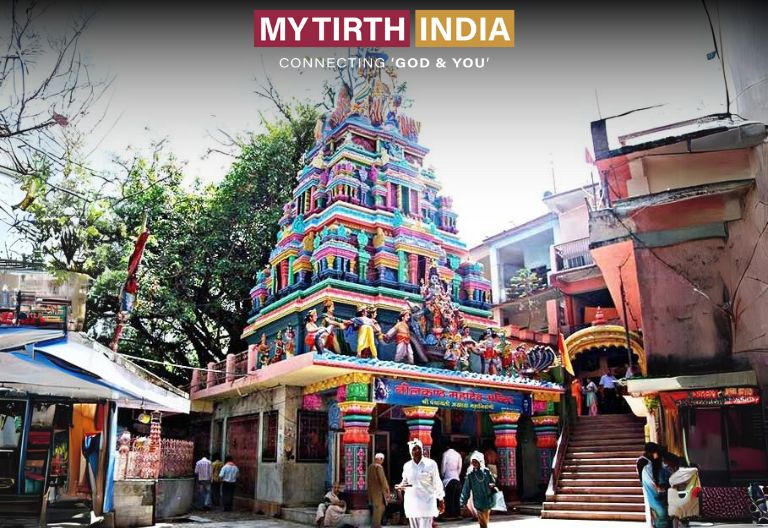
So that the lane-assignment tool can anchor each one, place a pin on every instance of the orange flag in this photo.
(565, 358)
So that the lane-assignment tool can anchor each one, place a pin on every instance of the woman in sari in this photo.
(590, 391)
(648, 466)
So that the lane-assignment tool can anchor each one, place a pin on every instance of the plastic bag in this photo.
(500, 504)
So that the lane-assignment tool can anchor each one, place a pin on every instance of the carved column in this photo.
(420, 422)
(546, 442)
(413, 268)
(356, 417)
(505, 429)
(290, 270)
(402, 275)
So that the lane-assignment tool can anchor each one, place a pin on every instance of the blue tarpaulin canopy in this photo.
(49, 363)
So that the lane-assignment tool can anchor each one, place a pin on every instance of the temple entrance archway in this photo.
(593, 349)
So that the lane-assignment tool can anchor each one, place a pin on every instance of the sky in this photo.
(499, 137)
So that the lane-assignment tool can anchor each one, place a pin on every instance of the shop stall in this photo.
(59, 396)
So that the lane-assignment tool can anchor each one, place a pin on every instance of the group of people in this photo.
(601, 397)
(425, 494)
(215, 482)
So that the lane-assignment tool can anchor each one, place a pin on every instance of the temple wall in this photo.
(683, 329)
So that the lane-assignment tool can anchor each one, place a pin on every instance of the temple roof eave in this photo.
(309, 368)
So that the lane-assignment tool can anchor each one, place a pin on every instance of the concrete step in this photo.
(599, 482)
(623, 498)
(611, 440)
(601, 435)
(595, 506)
(581, 489)
(617, 444)
(606, 461)
(599, 466)
(599, 452)
(593, 515)
(592, 473)
(305, 515)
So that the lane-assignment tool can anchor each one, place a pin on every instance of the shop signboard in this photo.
(406, 392)
(712, 397)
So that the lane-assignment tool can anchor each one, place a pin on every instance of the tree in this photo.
(205, 248)
(46, 93)
(522, 287)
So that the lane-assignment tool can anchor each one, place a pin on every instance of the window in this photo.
(269, 437)
(727, 443)
(312, 437)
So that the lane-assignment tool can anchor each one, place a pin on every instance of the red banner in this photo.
(322, 28)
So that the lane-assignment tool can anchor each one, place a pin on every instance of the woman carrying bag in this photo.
(481, 484)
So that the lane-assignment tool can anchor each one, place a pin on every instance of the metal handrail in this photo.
(558, 461)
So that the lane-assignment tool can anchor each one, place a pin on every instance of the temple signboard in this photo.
(406, 392)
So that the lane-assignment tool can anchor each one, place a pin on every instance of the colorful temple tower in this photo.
(367, 223)
(369, 327)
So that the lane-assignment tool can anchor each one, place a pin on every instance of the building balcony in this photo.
(572, 255)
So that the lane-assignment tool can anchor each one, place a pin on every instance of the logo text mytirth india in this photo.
(390, 28)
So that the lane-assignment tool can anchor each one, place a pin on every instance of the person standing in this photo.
(648, 467)
(422, 487)
(481, 484)
(578, 399)
(216, 479)
(228, 474)
(451, 469)
(378, 490)
(608, 385)
(590, 391)
(203, 473)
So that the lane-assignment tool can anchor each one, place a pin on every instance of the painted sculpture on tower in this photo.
(401, 334)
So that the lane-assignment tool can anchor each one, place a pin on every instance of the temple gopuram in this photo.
(370, 327)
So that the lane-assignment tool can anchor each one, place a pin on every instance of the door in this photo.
(242, 446)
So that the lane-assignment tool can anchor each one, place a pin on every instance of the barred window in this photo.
(269, 437)
(312, 437)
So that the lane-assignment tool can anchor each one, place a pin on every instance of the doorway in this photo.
(528, 471)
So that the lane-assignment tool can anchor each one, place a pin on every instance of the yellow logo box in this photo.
(493, 28)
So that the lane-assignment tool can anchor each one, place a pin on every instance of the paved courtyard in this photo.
(242, 520)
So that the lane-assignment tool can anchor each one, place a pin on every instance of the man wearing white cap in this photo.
(378, 490)
(423, 488)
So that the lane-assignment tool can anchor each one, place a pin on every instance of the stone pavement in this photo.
(243, 520)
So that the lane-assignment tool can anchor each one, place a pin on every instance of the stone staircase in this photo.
(598, 479)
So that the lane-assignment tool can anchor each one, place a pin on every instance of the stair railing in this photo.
(558, 461)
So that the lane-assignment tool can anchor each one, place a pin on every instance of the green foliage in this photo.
(205, 248)
(524, 283)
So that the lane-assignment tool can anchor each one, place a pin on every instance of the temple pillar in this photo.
(402, 275)
(362, 269)
(356, 417)
(420, 422)
(505, 429)
(546, 442)
(413, 268)
(290, 270)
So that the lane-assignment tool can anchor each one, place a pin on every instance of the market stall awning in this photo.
(37, 374)
(75, 366)
(707, 381)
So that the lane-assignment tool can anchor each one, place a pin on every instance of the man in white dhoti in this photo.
(423, 488)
